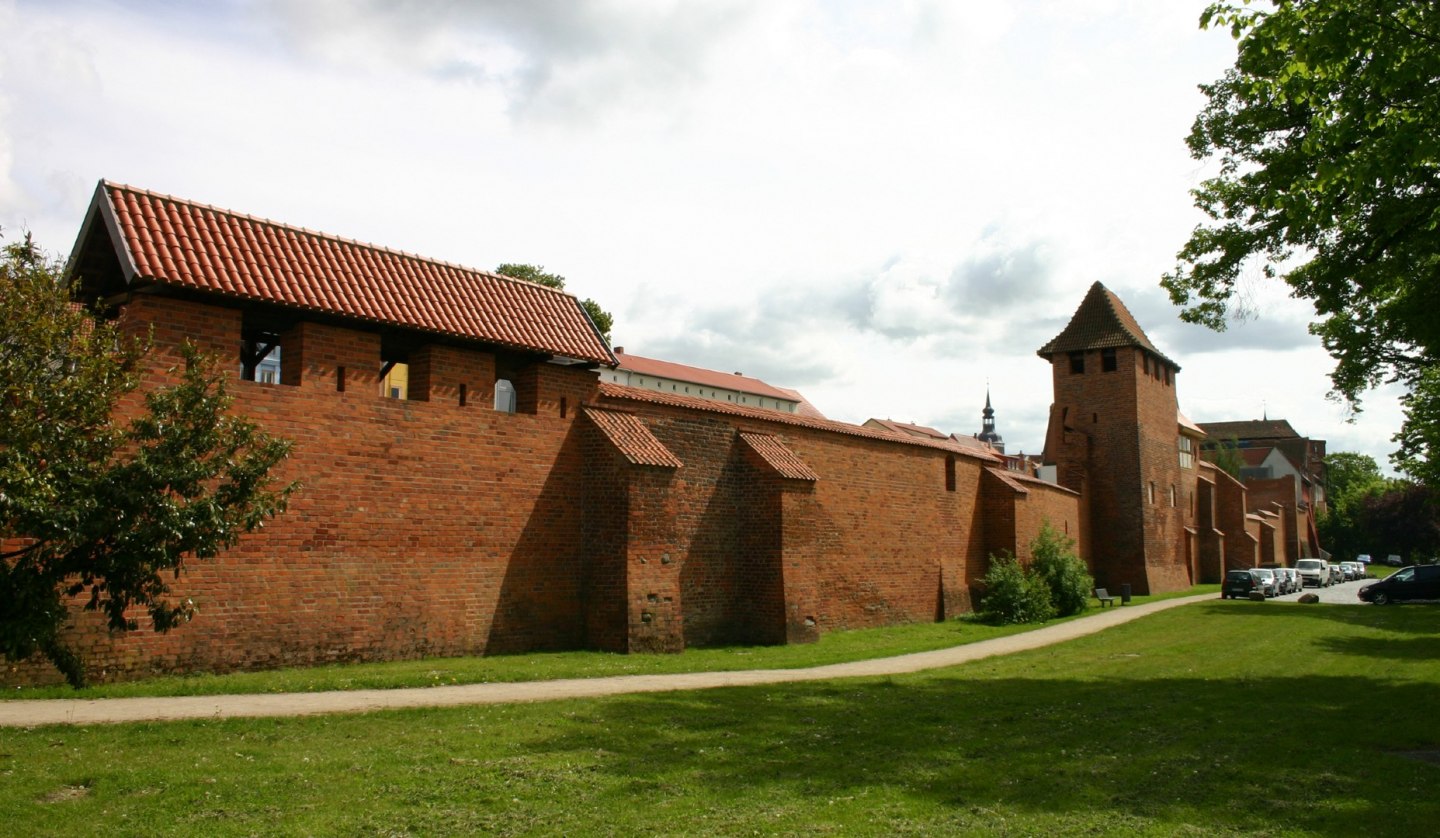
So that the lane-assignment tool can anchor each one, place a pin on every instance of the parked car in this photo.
(1238, 584)
(1313, 572)
(1357, 570)
(1296, 586)
(1393, 560)
(1267, 580)
(1417, 582)
(1336, 574)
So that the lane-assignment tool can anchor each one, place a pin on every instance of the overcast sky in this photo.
(887, 205)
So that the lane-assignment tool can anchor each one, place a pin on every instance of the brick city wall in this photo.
(420, 528)
(439, 526)
(877, 539)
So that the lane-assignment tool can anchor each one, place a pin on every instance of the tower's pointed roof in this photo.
(1101, 322)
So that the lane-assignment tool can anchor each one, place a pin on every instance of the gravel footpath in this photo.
(30, 713)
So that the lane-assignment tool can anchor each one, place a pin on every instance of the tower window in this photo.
(1077, 362)
(1107, 360)
(1187, 452)
(949, 472)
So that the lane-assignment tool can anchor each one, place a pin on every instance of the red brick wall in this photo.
(421, 528)
(1013, 518)
(1278, 495)
(877, 540)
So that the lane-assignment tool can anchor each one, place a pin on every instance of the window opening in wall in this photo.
(1107, 360)
(339, 379)
(504, 396)
(564, 406)
(949, 472)
(1150, 495)
(1146, 359)
(1077, 362)
(464, 394)
(1167, 376)
(1172, 497)
(394, 380)
(1187, 452)
(260, 358)
(1094, 418)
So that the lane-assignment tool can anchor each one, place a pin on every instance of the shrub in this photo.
(1068, 580)
(1014, 594)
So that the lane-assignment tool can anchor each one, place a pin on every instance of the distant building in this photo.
(1279, 467)
(683, 380)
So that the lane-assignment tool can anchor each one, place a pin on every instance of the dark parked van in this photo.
(1404, 585)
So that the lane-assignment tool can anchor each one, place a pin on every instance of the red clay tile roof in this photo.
(907, 429)
(698, 375)
(1019, 481)
(631, 438)
(182, 244)
(780, 458)
(609, 389)
(1186, 425)
(1101, 322)
(1255, 457)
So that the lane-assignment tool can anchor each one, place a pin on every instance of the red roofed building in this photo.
(684, 380)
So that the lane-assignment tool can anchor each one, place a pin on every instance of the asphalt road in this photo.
(1345, 593)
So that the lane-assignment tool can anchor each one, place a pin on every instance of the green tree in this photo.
(96, 506)
(1054, 560)
(1225, 455)
(1329, 179)
(537, 274)
(1351, 480)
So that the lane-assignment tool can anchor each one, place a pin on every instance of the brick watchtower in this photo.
(1113, 437)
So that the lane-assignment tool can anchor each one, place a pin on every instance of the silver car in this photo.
(1267, 581)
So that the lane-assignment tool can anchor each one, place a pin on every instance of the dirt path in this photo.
(114, 710)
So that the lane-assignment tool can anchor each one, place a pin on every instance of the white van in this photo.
(1314, 572)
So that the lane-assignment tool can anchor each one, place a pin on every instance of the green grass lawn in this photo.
(1215, 718)
(833, 647)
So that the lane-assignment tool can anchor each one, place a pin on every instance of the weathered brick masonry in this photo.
(594, 515)
(424, 527)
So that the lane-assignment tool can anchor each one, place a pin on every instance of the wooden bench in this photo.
(1104, 597)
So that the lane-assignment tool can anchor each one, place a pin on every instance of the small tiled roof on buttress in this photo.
(631, 438)
(184, 245)
(779, 457)
(1101, 322)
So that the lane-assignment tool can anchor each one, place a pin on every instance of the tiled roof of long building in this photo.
(181, 244)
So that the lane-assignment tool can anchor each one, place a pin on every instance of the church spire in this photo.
(987, 426)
